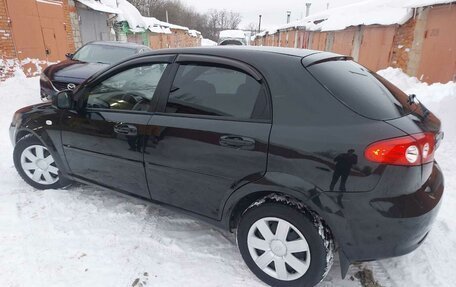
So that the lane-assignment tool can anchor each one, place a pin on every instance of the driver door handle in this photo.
(237, 142)
(124, 129)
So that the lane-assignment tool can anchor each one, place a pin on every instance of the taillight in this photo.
(410, 150)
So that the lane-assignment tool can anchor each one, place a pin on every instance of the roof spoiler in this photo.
(318, 58)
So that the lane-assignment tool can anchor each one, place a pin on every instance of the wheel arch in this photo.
(43, 136)
(271, 184)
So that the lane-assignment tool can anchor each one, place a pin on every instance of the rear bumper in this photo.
(385, 223)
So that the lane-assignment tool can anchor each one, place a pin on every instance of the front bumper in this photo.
(390, 221)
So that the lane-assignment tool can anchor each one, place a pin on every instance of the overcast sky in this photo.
(273, 11)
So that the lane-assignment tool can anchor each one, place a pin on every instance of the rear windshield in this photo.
(363, 91)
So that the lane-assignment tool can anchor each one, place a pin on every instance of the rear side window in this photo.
(217, 91)
(361, 90)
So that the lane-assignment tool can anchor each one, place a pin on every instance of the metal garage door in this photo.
(343, 41)
(38, 30)
(319, 41)
(93, 25)
(438, 58)
(375, 50)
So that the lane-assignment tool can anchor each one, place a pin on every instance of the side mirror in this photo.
(63, 100)
(69, 55)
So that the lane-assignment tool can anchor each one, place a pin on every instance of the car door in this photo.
(104, 142)
(210, 134)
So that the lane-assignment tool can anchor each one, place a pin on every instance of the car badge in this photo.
(71, 86)
(49, 122)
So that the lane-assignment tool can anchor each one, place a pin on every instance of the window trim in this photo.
(218, 61)
(221, 118)
(214, 62)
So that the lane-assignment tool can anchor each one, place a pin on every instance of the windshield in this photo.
(103, 54)
(362, 90)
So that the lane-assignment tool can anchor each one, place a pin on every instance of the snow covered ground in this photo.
(85, 236)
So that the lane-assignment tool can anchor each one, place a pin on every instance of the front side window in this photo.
(132, 89)
(216, 91)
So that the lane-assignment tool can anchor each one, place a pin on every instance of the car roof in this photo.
(220, 50)
(118, 44)
(311, 56)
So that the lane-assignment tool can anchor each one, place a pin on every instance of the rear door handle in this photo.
(237, 142)
(124, 129)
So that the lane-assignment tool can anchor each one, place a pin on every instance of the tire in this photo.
(314, 256)
(36, 165)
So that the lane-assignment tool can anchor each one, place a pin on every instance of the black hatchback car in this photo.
(88, 60)
(303, 153)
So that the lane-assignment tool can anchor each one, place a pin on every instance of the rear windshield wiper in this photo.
(413, 100)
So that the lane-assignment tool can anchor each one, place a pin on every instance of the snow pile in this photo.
(439, 98)
(208, 42)
(32, 67)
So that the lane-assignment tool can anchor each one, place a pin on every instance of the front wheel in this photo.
(36, 166)
(284, 246)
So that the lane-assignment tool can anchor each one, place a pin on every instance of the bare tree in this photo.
(209, 24)
(219, 20)
(252, 27)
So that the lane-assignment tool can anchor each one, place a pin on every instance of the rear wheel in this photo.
(36, 166)
(283, 246)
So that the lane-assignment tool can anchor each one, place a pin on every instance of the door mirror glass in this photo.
(63, 100)
(69, 55)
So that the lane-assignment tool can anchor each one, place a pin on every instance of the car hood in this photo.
(74, 71)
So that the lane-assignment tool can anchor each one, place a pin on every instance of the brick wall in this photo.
(72, 25)
(7, 51)
(402, 44)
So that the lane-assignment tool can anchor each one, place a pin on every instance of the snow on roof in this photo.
(423, 3)
(232, 34)
(102, 6)
(208, 42)
(137, 23)
(156, 26)
(194, 33)
(177, 27)
(132, 16)
(368, 12)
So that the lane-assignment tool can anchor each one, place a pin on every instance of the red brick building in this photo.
(423, 46)
(34, 33)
